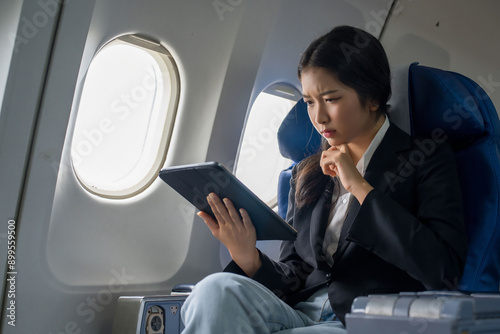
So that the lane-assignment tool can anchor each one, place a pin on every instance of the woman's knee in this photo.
(219, 281)
(217, 287)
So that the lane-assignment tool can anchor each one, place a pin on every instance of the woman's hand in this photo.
(337, 161)
(235, 230)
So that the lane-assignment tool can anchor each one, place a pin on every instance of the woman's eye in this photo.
(332, 99)
(309, 102)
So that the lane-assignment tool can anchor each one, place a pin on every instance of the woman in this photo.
(369, 219)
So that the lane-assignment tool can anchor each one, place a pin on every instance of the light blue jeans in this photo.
(226, 303)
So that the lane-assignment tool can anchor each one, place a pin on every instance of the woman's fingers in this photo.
(235, 230)
(343, 148)
(328, 162)
(233, 213)
(218, 209)
(225, 212)
(221, 209)
(247, 222)
(334, 158)
(337, 161)
(211, 223)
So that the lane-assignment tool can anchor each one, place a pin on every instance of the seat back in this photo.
(297, 139)
(452, 103)
(441, 104)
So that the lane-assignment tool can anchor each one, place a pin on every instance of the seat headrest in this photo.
(447, 101)
(297, 138)
(399, 111)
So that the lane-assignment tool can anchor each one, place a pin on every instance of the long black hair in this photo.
(357, 60)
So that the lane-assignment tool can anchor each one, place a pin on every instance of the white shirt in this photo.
(341, 198)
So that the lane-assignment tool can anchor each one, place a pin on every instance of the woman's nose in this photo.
(321, 116)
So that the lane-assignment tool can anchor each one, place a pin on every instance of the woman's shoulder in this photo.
(428, 144)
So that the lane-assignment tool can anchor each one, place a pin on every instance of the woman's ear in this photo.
(373, 105)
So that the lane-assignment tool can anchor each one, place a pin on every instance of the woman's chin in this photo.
(335, 142)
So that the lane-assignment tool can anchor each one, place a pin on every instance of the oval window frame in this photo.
(279, 89)
(166, 61)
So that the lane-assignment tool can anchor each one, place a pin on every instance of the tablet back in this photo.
(194, 182)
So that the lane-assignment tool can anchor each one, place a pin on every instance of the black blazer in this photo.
(407, 236)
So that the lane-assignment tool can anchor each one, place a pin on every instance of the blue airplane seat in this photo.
(440, 105)
(297, 139)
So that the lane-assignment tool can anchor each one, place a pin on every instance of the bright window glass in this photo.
(124, 118)
(259, 160)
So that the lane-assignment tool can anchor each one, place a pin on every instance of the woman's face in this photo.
(335, 109)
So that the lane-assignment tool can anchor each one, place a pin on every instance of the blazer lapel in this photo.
(343, 243)
(384, 163)
(320, 215)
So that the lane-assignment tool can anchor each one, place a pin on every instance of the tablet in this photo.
(194, 182)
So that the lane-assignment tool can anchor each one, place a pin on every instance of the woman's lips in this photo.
(328, 133)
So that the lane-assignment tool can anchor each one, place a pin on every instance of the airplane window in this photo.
(124, 118)
(259, 160)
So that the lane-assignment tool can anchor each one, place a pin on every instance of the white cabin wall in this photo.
(455, 35)
(201, 46)
(10, 13)
(24, 83)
